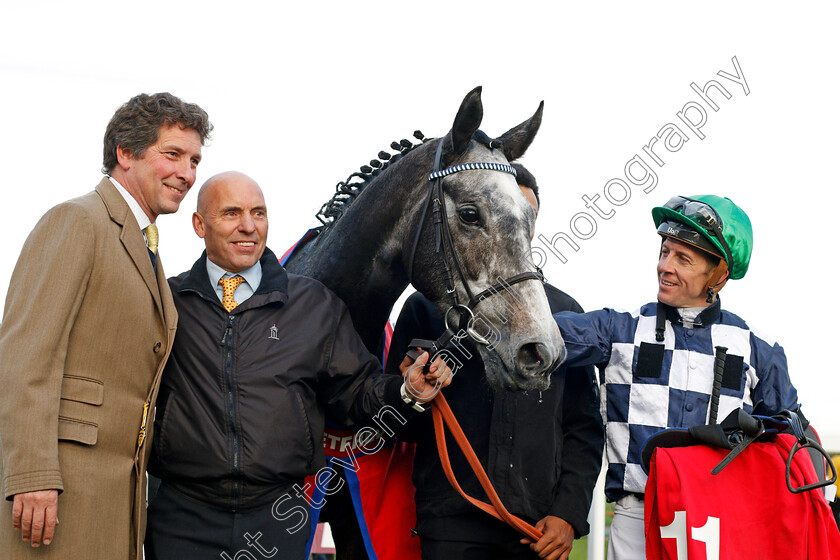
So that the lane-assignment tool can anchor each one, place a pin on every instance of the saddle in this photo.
(738, 430)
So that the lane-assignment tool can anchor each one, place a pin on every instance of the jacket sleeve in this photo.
(583, 446)
(353, 387)
(587, 336)
(774, 391)
(46, 291)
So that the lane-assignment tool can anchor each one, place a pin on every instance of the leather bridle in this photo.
(436, 207)
(442, 414)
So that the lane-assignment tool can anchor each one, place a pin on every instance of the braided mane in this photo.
(348, 190)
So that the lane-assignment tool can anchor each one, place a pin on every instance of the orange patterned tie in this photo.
(229, 286)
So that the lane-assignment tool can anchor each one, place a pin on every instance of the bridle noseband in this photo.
(443, 244)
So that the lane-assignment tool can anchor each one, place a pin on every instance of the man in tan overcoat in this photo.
(88, 326)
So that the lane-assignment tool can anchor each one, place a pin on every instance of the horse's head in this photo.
(486, 244)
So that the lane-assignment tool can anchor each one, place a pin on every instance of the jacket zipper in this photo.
(227, 341)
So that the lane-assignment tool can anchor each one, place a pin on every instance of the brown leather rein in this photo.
(442, 413)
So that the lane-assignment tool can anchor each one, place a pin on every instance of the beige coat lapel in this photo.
(131, 238)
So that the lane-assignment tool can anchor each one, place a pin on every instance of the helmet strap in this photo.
(716, 281)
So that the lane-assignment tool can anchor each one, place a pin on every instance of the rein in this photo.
(441, 413)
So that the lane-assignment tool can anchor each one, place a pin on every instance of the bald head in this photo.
(218, 181)
(232, 219)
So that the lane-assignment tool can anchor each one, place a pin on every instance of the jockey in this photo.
(657, 362)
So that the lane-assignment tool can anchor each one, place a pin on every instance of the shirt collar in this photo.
(252, 275)
(141, 217)
(274, 284)
(709, 315)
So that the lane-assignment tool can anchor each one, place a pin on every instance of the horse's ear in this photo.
(516, 140)
(467, 121)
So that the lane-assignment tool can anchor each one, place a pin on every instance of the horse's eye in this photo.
(468, 215)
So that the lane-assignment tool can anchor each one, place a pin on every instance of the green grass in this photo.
(580, 547)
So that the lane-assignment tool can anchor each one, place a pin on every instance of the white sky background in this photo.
(303, 94)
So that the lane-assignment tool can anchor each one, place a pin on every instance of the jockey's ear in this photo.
(516, 140)
(466, 122)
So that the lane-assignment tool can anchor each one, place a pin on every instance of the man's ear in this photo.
(723, 278)
(124, 157)
(198, 224)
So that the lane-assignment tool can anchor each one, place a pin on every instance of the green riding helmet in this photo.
(711, 223)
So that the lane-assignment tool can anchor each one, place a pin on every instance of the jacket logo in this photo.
(272, 333)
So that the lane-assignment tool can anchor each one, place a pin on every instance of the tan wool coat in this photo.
(85, 335)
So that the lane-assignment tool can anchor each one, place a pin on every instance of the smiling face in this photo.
(232, 220)
(160, 178)
(682, 273)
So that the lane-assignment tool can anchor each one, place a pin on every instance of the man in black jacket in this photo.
(259, 359)
(541, 450)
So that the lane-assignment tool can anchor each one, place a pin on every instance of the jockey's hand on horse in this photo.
(423, 386)
(556, 542)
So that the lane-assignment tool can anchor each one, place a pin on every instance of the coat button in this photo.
(157, 347)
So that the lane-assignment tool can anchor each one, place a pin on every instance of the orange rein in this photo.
(442, 413)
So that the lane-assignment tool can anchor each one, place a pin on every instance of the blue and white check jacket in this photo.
(635, 404)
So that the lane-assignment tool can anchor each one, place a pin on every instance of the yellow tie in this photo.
(151, 232)
(229, 286)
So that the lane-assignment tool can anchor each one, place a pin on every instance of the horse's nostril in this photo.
(531, 357)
